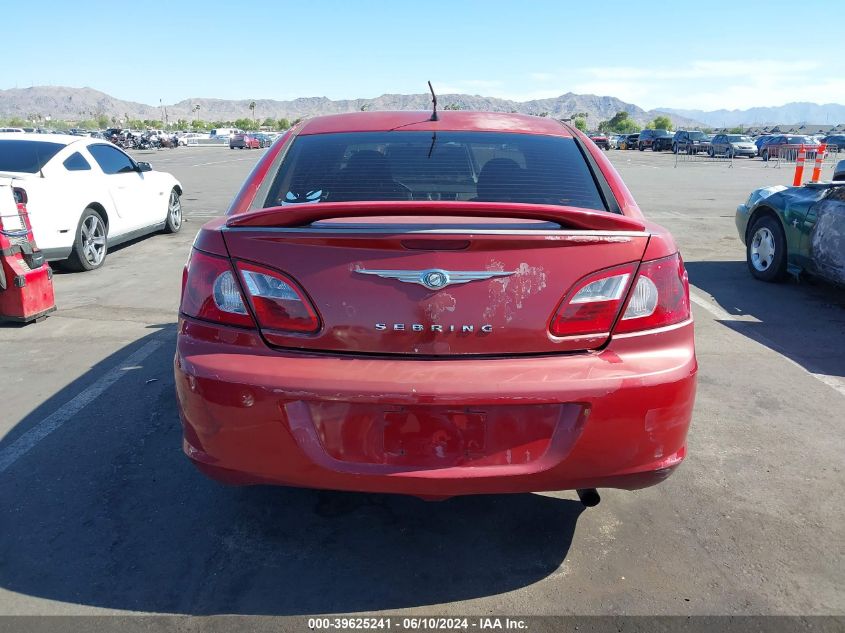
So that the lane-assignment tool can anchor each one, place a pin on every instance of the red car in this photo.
(244, 141)
(599, 139)
(786, 146)
(470, 304)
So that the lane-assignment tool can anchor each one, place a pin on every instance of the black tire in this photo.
(766, 262)
(674, 148)
(765, 155)
(81, 258)
(711, 153)
(641, 147)
(654, 147)
(174, 213)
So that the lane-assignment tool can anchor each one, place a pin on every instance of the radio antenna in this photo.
(434, 103)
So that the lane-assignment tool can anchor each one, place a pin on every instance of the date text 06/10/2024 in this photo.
(417, 624)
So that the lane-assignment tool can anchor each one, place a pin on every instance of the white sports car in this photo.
(86, 195)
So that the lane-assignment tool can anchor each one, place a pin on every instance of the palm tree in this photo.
(252, 107)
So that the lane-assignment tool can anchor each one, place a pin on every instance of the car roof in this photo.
(450, 120)
(63, 139)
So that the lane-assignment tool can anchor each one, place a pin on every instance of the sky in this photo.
(679, 54)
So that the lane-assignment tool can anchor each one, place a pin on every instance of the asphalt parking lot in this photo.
(104, 514)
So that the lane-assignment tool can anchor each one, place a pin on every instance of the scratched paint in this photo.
(438, 305)
(827, 240)
(507, 294)
(590, 239)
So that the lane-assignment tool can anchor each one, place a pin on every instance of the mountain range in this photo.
(72, 104)
(65, 103)
(796, 112)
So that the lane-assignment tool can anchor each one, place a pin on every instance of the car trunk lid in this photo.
(447, 280)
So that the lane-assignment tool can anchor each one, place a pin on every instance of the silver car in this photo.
(732, 145)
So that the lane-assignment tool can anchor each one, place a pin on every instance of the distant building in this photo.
(808, 129)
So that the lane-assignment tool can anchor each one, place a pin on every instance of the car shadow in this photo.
(105, 511)
(804, 321)
(60, 269)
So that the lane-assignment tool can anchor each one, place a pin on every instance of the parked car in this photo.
(263, 139)
(614, 140)
(223, 133)
(690, 142)
(731, 145)
(188, 138)
(327, 339)
(10, 130)
(663, 143)
(629, 141)
(86, 195)
(600, 139)
(835, 143)
(244, 141)
(795, 230)
(654, 140)
(778, 145)
(760, 141)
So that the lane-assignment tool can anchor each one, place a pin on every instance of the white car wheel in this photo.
(174, 213)
(90, 246)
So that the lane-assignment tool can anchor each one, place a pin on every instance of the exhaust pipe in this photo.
(589, 497)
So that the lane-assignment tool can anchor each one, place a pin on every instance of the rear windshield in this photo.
(460, 166)
(697, 136)
(737, 138)
(26, 156)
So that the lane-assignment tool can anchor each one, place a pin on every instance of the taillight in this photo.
(594, 303)
(210, 291)
(277, 301)
(660, 296)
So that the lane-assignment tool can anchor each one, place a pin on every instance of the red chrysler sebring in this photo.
(435, 306)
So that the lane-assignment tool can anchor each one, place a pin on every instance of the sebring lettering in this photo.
(434, 327)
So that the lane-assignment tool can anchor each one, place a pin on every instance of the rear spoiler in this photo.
(299, 215)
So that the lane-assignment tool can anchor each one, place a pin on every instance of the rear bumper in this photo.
(617, 418)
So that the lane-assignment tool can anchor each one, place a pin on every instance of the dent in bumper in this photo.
(248, 418)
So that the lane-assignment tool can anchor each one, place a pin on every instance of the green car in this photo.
(794, 230)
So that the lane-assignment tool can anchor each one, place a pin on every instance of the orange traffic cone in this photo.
(799, 167)
(817, 168)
